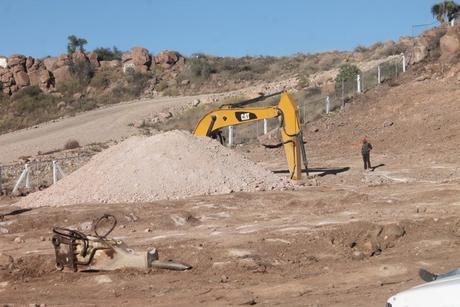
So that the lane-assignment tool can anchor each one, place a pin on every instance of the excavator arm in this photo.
(291, 133)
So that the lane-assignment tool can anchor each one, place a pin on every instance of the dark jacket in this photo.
(367, 147)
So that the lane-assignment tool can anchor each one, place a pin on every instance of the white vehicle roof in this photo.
(439, 293)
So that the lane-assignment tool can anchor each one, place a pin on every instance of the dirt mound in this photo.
(171, 165)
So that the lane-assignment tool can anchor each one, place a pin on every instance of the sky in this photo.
(217, 27)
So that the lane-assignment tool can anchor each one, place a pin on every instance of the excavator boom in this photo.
(291, 133)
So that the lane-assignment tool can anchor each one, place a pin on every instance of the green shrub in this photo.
(361, 49)
(201, 68)
(82, 70)
(103, 77)
(105, 54)
(27, 107)
(394, 50)
(303, 80)
(137, 82)
(347, 72)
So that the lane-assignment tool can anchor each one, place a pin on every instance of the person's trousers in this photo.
(367, 160)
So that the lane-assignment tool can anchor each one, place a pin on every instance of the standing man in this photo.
(366, 152)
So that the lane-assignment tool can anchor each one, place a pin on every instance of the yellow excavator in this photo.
(237, 114)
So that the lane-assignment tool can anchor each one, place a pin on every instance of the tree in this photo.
(81, 43)
(347, 72)
(74, 43)
(445, 10)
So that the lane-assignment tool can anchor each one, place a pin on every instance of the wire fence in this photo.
(312, 104)
(38, 174)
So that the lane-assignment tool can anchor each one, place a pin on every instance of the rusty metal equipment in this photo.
(82, 252)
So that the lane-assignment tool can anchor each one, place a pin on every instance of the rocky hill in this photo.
(37, 90)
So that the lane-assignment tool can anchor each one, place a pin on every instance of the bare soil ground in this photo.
(312, 247)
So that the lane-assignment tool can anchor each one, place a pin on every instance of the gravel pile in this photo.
(170, 165)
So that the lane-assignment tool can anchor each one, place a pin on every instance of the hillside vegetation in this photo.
(38, 90)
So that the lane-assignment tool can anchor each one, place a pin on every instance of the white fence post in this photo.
(328, 104)
(265, 126)
(57, 172)
(24, 176)
(54, 172)
(379, 75)
(230, 135)
(358, 83)
(27, 176)
(403, 62)
(1, 188)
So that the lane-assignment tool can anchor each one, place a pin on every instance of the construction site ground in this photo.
(286, 248)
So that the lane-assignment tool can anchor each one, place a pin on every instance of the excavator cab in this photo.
(237, 114)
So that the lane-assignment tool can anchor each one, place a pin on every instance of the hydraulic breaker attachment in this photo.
(81, 252)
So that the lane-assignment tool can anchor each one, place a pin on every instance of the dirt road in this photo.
(110, 123)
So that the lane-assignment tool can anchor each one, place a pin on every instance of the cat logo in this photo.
(245, 116)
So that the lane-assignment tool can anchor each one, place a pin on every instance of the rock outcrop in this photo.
(138, 59)
(167, 59)
(450, 43)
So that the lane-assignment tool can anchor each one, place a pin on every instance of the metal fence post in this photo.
(230, 135)
(379, 76)
(358, 83)
(23, 176)
(27, 176)
(403, 62)
(1, 188)
(54, 172)
(328, 104)
(265, 126)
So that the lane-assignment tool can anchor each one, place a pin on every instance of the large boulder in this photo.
(6, 81)
(50, 63)
(6, 77)
(37, 65)
(41, 78)
(92, 56)
(63, 60)
(22, 79)
(62, 74)
(79, 56)
(450, 43)
(140, 56)
(17, 60)
(420, 51)
(29, 62)
(110, 64)
(167, 59)
(138, 59)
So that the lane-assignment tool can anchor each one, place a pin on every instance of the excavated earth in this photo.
(169, 165)
(347, 238)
